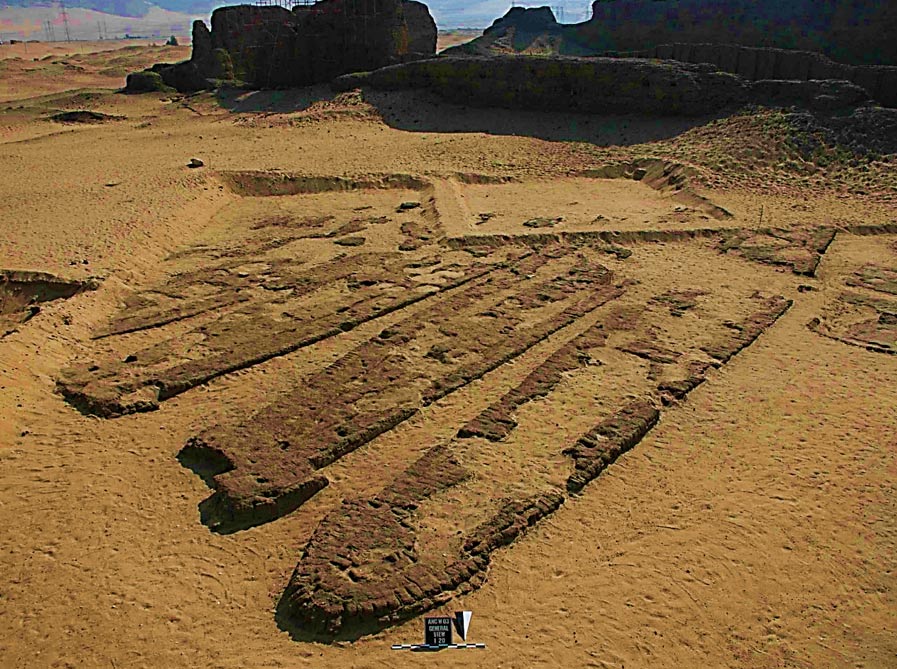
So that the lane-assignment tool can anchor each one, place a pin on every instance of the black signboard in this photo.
(438, 631)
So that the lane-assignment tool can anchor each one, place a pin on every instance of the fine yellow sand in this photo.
(754, 527)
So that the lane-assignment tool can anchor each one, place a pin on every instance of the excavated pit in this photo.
(669, 178)
(274, 183)
(628, 200)
(21, 293)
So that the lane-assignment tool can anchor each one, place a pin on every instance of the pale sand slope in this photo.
(31, 50)
(449, 38)
(28, 70)
(755, 527)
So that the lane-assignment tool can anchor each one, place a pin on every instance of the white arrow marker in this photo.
(462, 623)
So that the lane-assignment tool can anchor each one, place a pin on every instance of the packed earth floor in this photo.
(626, 388)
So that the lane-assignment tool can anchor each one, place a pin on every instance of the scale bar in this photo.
(426, 646)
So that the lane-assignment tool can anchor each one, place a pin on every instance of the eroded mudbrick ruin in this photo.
(797, 41)
(272, 47)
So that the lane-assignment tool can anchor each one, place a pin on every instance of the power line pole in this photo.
(65, 20)
(99, 30)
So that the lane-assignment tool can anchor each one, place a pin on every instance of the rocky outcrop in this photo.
(526, 20)
(599, 85)
(272, 47)
(519, 31)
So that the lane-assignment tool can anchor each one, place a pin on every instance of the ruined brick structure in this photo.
(802, 40)
(273, 47)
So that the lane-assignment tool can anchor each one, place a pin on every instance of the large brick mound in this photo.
(273, 47)
(603, 85)
(560, 83)
(770, 65)
(834, 42)
(856, 32)
(849, 31)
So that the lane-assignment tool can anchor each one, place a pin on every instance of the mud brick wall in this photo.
(272, 47)
(858, 32)
(845, 40)
(756, 64)
(600, 85)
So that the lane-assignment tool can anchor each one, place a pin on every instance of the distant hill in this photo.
(31, 22)
(448, 13)
(130, 8)
(481, 13)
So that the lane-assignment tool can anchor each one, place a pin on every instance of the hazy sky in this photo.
(481, 13)
(29, 22)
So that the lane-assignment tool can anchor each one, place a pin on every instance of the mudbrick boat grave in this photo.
(561, 348)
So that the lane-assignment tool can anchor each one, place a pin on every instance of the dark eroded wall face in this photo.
(849, 31)
(273, 47)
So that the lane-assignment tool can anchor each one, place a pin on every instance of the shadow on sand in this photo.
(421, 111)
(287, 101)
(308, 635)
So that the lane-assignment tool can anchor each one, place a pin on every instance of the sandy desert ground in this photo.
(558, 280)
(454, 37)
(31, 68)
